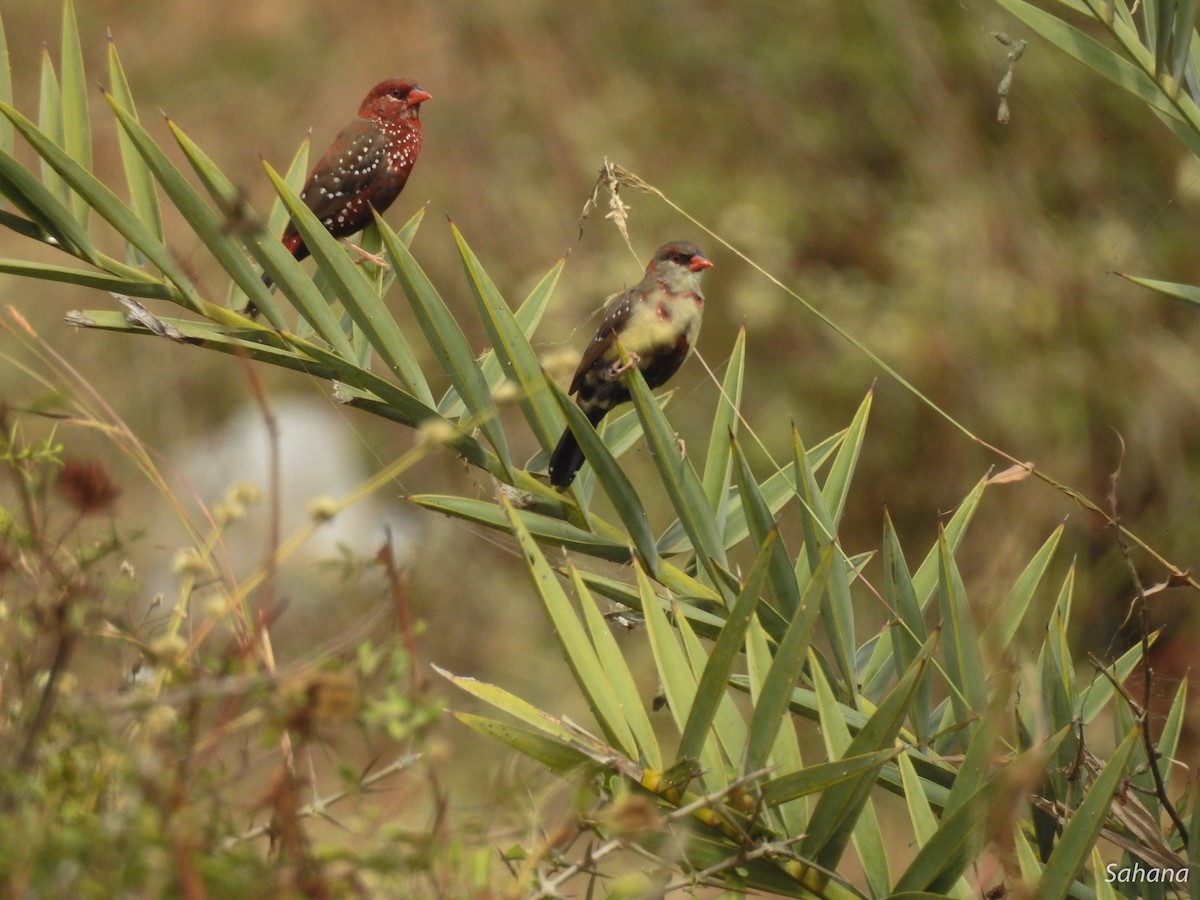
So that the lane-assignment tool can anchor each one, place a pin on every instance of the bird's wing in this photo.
(616, 314)
(351, 164)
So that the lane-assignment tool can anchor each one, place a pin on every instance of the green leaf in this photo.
(964, 668)
(833, 820)
(999, 634)
(675, 672)
(722, 658)
(785, 753)
(782, 583)
(527, 317)
(1093, 54)
(776, 490)
(820, 533)
(77, 126)
(1078, 838)
(678, 479)
(544, 528)
(589, 671)
(88, 278)
(1101, 691)
(6, 94)
(511, 348)
(908, 635)
(447, 341)
(236, 217)
(940, 863)
(725, 423)
(1186, 292)
(837, 484)
(143, 196)
(557, 756)
(619, 676)
(41, 205)
(51, 121)
(611, 477)
(822, 776)
(770, 707)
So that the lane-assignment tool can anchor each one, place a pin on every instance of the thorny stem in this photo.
(1160, 787)
(317, 807)
(550, 887)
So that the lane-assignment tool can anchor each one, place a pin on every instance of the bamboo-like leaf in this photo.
(776, 490)
(210, 335)
(836, 813)
(820, 533)
(527, 317)
(785, 752)
(1104, 889)
(878, 669)
(511, 347)
(611, 477)
(702, 621)
(209, 227)
(77, 125)
(678, 682)
(964, 668)
(1186, 292)
(42, 207)
(447, 341)
(782, 583)
(724, 654)
(1101, 691)
(822, 776)
(1092, 54)
(728, 728)
(6, 93)
(725, 424)
(770, 707)
(920, 813)
(295, 178)
(908, 635)
(1181, 39)
(942, 860)
(50, 120)
(1168, 739)
(1078, 838)
(544, 528)
(679, 479)
(557, 756)
(581, 656)
(236, 216)
(1000, 631)
(523, 711)
(143, 196)
(88, 278)
(617, 671)
(837, 484)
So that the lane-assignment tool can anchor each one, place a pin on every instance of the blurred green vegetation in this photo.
(852, 149)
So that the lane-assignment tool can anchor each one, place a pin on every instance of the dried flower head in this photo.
(86, 485)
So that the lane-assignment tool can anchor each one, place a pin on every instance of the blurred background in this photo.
(853, 150)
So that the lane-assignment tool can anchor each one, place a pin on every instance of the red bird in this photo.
(657, 322)
(367, 164)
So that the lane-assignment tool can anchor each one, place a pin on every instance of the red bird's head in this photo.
(392, 100)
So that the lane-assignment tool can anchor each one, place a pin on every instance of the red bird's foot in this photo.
(366, 257)
(617, 369)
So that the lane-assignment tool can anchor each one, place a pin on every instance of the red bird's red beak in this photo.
(700, 263)
(417, 96)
